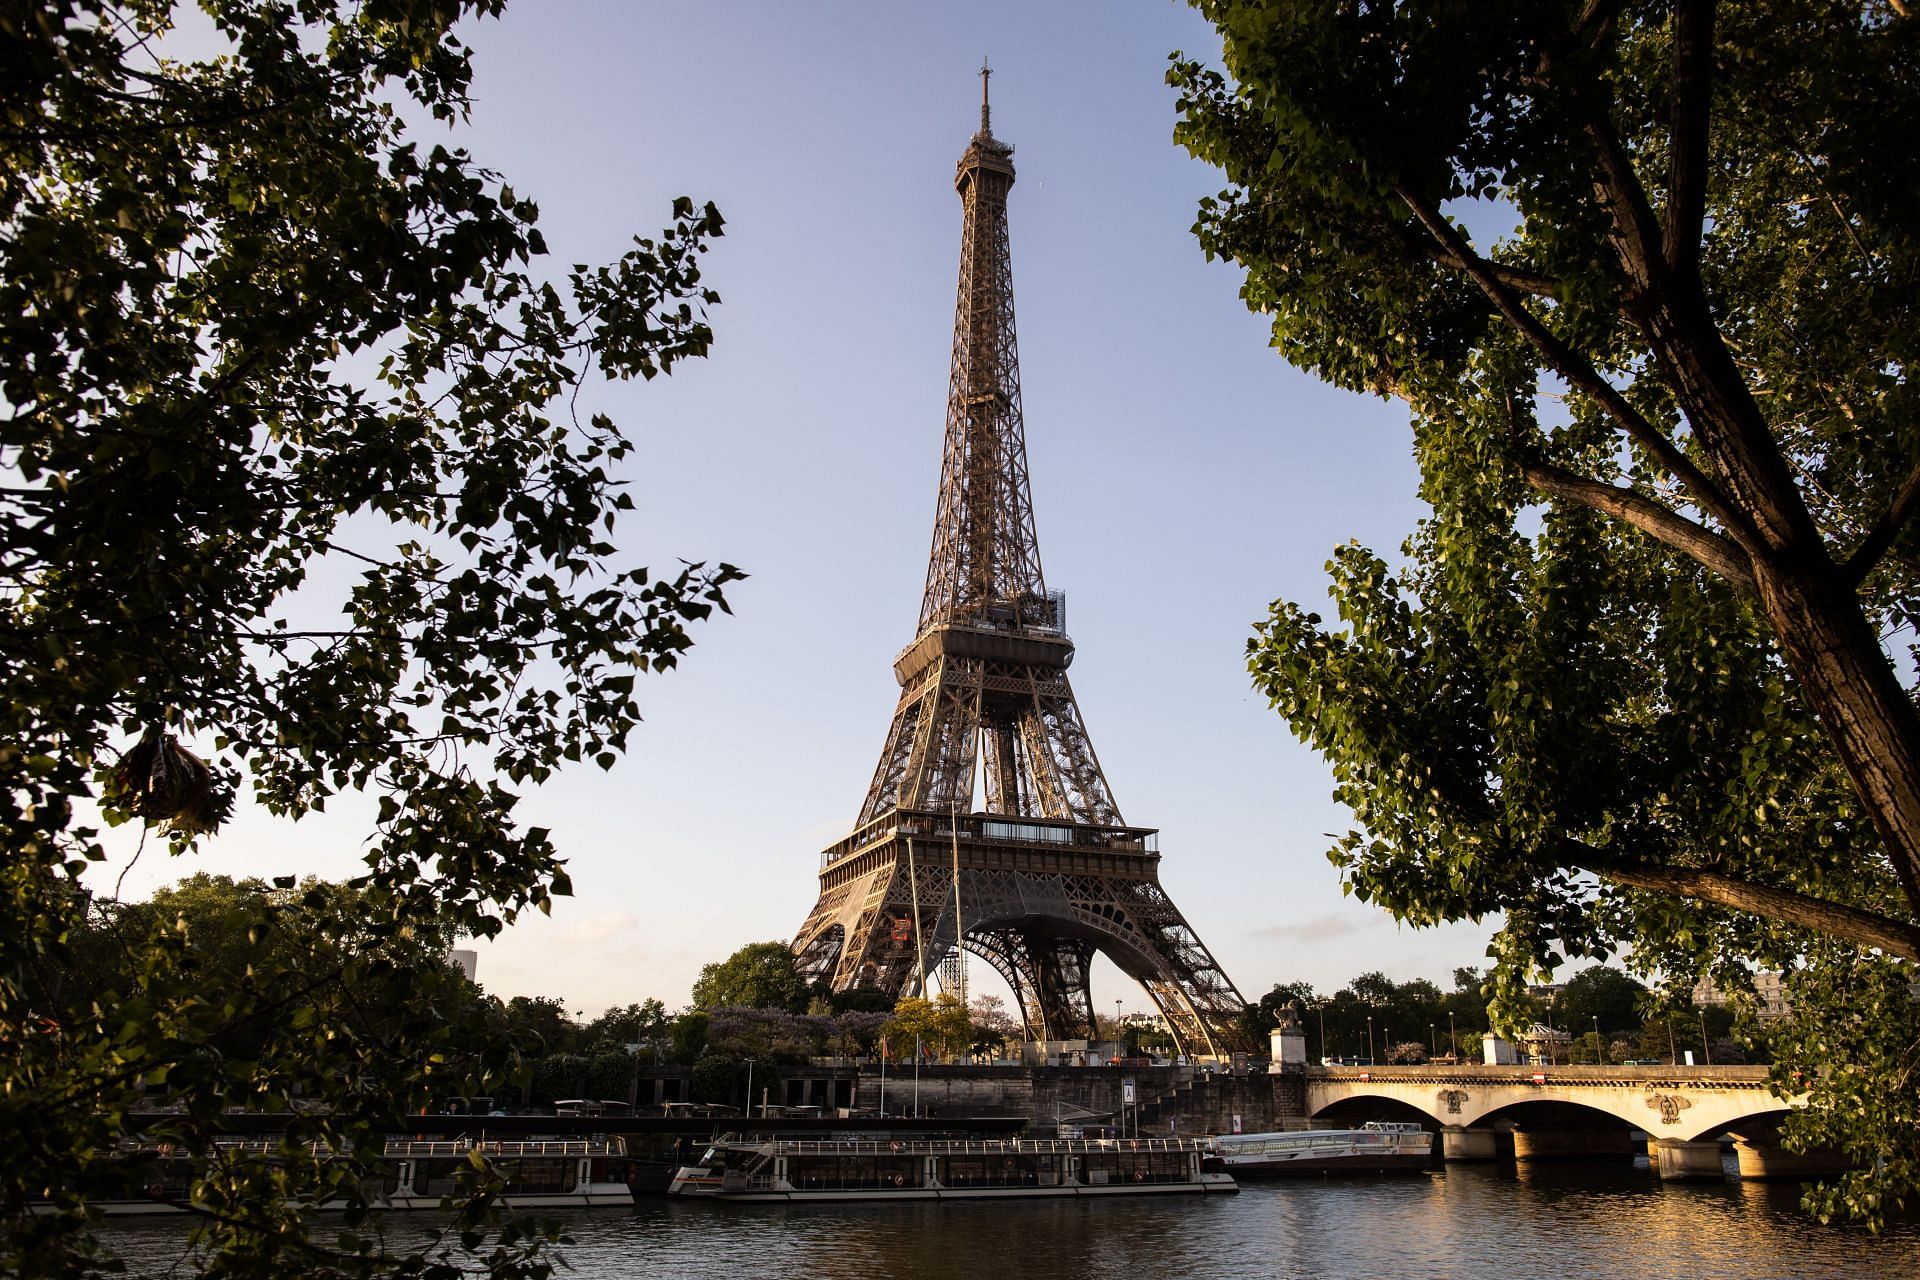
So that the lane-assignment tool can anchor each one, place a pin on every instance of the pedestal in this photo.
(1761, 1160)
(1572, 1144)
(1680, 1161)
(1458, 1143)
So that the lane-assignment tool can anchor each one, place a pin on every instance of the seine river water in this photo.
(1470, 1222)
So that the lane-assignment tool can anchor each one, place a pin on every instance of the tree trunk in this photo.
(1850, 685)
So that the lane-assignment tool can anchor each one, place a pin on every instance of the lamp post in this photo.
(1453, 1041)
(749, 1088)
(1598, 1056)
(1320, 1006)
(1369, 1039)
(1433, 1042)
(1705, 1048)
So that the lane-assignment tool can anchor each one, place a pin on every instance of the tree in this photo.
(1601, 992)
(993, 1026)
(295, 494)
(543, 1024)
(760, 975)
(689, 1035)
(763, 1034)
(627, 1024)
(940, 1025)
(1628, 686)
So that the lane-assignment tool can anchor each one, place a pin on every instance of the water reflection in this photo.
(1563, 1221)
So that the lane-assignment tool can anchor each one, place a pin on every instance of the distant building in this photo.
(1769, 987)
(467, 962)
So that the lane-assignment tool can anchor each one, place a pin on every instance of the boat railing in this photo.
(962, 1147)
(430, 1147)
(423, 1147)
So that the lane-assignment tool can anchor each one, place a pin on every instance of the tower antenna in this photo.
(986, 109)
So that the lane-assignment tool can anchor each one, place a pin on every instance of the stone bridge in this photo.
(1554, 1111)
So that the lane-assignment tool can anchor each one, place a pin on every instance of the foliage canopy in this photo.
(760, 975)
(1628, 684)
(293, 478)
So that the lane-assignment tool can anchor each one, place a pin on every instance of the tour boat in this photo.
(925, 1168)
(1378, 1147)
(418, 1173)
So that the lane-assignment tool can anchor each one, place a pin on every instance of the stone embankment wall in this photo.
(1167, 1099)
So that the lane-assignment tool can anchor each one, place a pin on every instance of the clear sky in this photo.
(1183, 475)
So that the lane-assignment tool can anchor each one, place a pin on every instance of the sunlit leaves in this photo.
(258, 344)
(1533, 687)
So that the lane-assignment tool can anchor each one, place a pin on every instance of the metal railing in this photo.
(963, 1147)
(994, 828)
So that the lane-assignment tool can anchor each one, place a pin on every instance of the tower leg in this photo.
(1063, 988)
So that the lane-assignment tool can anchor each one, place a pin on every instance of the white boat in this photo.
(772, 1168)
(1378, 1147)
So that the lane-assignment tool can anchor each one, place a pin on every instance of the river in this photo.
(1470, 1222)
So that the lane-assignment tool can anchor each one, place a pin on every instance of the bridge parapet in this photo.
(1684, 1103)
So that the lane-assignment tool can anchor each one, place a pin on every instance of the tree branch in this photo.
(1885, 530)
(1518, 279)
(1895, 937)
(1596, 20)
(1578, 372)
(1719, 554)
(1687, 154)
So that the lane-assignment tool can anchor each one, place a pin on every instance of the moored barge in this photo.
(421, 1173)
(776, 1168)
(1378, 1147)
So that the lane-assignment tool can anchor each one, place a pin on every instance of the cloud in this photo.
(1319, 929)
(598, 929)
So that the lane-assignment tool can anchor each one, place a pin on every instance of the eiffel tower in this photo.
(1047, 874)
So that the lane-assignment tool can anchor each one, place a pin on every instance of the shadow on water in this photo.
(1470, 1222)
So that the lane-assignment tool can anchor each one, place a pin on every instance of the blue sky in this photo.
(1183, 475)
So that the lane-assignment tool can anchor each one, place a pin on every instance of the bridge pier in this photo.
(1568, 1144)
(1762, 1160)
(1459, 1143)
(1679, 1161)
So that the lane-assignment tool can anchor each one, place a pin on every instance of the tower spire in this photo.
(986, 108)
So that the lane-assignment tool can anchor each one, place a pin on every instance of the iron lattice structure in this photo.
(1047, 874)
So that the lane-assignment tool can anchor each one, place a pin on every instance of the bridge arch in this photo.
(1685, 1104)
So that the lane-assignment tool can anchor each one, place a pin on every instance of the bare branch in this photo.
(1518, 279)
(1596, 20)
(1719, 554)
(1895, 937)
(1885, 530)
(1576, 369)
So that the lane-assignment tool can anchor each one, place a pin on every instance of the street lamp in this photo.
(1369, 1039)
(1453, 1041)
(1705, 1048)
(1433, 1042)
(1320, 1006)
(1598, 1056)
